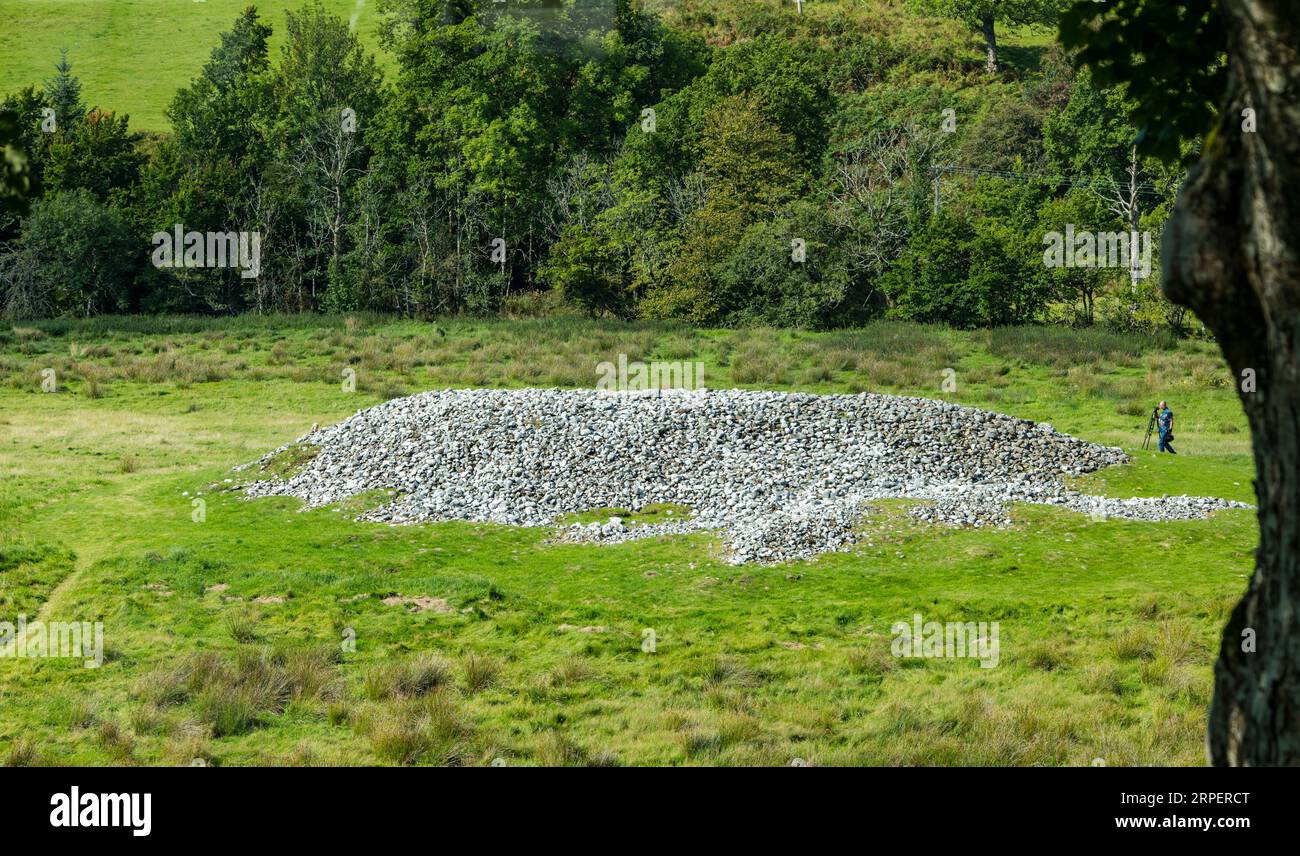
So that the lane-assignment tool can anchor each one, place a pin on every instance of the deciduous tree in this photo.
(1230, 254)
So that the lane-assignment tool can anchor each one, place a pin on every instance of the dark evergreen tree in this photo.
(64, 92)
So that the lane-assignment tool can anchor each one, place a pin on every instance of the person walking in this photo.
(1165, 422)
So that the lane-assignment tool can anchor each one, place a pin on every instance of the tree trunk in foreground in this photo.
(990, 44)
(1230, 255)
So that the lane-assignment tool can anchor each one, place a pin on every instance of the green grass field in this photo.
(132, 55)
(224, 638)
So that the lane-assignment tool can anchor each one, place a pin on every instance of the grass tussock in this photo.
(241, 626)
(480, 672)
(410, 678)
(726, 671)
(23, 753)
(554, 748)
(429, 729)
(119, 742)
(234, 695)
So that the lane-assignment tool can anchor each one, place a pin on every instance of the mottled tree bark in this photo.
(990, 44)
(1230, 255)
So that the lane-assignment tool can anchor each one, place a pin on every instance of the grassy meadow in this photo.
(262, 634)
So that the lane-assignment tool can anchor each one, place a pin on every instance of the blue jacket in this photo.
(1166, 421)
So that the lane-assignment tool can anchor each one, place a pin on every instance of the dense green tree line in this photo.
(813, 170)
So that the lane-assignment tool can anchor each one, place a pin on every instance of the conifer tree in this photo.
(64, 92)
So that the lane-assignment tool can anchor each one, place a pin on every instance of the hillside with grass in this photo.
(132, 55)
(260, 633)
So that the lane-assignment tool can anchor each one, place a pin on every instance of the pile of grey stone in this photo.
(778, 475)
